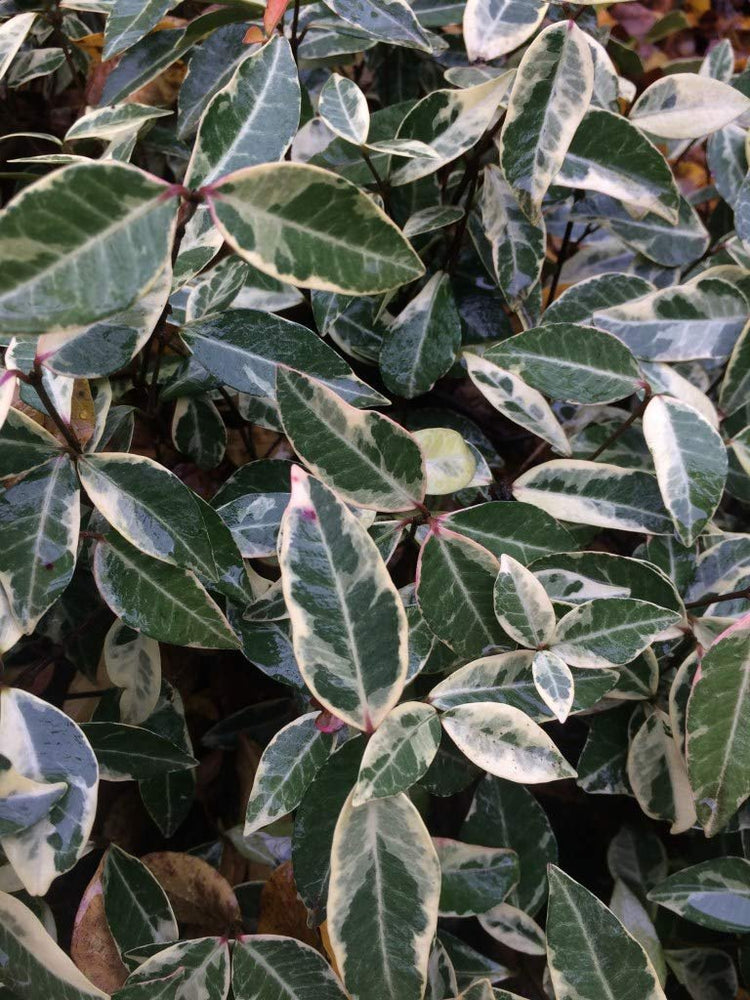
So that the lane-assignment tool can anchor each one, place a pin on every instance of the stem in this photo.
(382, 186)
(733, 595)
(247, 440)
(88, 694)
(560, 261)
(295, 39)
(451, 258)
(637, 412)
(65, 430)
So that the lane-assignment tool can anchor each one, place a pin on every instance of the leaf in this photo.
(687, 106)
(100, 210)
(427, 220)
(252, 119)
(387, 20)
(198, 893)
(567, 361)
(133, 663)
(504, 741)
(383, 898)
(522, 606)
(343, 108)
(735, 385)
(690, 461)
(270, 215)
(198, 431)
(554, 681)
(137, 909)
(422, 343)
(13, 33)
(288, 765)
(658, 775)
(706, 973)
(25, 801)
(399, 753)
(714, 894)
(634, 917)
(162, 601)
(608, 154)
(580, 301)
(133, 752)
(474, 878)
(367, 458)
(195, 968)
(45, 745)
(493, 28)
(39, 517)
(590, 954)
(608, 632)
(550, 95)
(717, 750)
(34, 964)
(595, 493)
(455, 576)
(269, 967)
(515, 929)
(113, 123)
(516, 400)
(129, 21)
(348, 623)
(450, 464)
(518, 529)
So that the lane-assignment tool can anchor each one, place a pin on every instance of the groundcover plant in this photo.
(374, 568)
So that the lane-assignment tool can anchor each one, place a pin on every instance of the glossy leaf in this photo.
(522, 606)
(714, 894)
(608, 632)
(474, 878)
(494, 27)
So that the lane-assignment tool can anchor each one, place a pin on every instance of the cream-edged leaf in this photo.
(554, 681)
(515, 929)
(13, 33)
(449, 462)
(133, 663)
(687, 106)
(714, 894)
(522, 606)
(512, 528)
(493, 28)
(658, 774)
(735, 386)
(196, 969)
(474, 878)
(343, 108)
(24, 801)
(610, 631)
(387, 20)
(271, 967)
(137, 909)
(634, 917)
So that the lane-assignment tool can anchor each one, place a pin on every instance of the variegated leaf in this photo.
(522, 606)
(515, 929)
(687, 106)
(658, 774)
(24, 801)
(735, 386)
(449, 462)
(129, 21)
(554, 681)
(714, 894)
(388, 20)
(13, 33)
(343, 108)
(493, 28)
(634, 917)
(133, 663)
(197, 968)
(137, 909)
(271, 967)
(608, 632)
(474, 878)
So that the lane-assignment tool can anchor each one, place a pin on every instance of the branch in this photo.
(637, 412)
(733, 595)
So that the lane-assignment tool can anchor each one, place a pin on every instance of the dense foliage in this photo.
(375, 460)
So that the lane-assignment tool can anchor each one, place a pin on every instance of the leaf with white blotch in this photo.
(343, 108)
(515, 929)
(133, 663)
(735, 386)
(727, 161)
(522, 606)
(288, 765)
(450, 122)
(449, 463)
(198, 431)
(34, 965)
(398, 753)
(45, 745)
(442, 981)
(271, 967)
(390, 21)
(24, 801)
(40, 520)
(474, 878)
(580, 301)
(687, 106)
(129, 21)
(367, 458)
(137, 908)
(690, 461)
(162, 601)
(383, 898)
(566, 361)
(504, 741)
(198, 968)
(590, 954)
(637, 857)
(270, 215)
(423, 341)
(554, 681)
(158, 514)
(658, 775)
(714, 894)
(664, 379)
(13, 33)
(610, 631)
(126, 753)
(718, 754)
(427, 220)
(701, 319)
(509, 527)
(518, 245)
(706, 973)
(100, 211)
(455, 576)
(348, 623)
(516, 400)
(493, 28)
(113, 123)
(551, 92)
(7, 389)
(608, 154)
(596, 493)
(251, 120)
(634, 917)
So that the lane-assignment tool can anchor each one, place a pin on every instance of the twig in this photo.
(247, 440)
(637, 412)
(733, 595)
(382, 186)
(560, 261)
(295, 39)
(454, 250)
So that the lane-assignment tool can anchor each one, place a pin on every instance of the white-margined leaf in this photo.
(127, 753)
(427, 220)
(197, 968)
(634, 917)
(610, 631)
(714, 894)
(24, 801)
(343, 108)
(449, 462)
(113, 123)
(735, 386)
(580, 301)
(727, 160)
(138, 910)
(198, 431)
(515, 929)
(706, 973)
(522, 606)
(664, 378)
(129, 21)
(387, 20)
(271, 967)
(687, 106)
(399, 753)
(508, 527)
(474, 878)
(493, 28)
(133, 663)
(658, 775)
(554, 681)
(13, 33)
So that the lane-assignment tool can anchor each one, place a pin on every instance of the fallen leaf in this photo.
(199, 895)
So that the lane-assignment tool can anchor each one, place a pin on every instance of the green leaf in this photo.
(504, 741)
(270, 215)
(270, 967)
(194, 968)
(127, 753)
(658, 775)
(714, 894)
(387, 20)
(162, 601)
(596, 493)
(288, 765)
(608, 632)
(100, 211)
(399, 753)
(367, 458)
(423, 342)
(133, 663)
(348, 623)
(39, 519)
(449, 462)
(690, 461)
(554, 681)
(198, 431)
(687, 106)
(343, 108)
(137, 908)
(251, 120)
(474, 878)
(493, 28)
(34, 965)
(590, 954)
(168, 798)
(24, 801)
(383, 898)
(518, 529)
(550, 95)
(43, 744)
(567, 361)
(522, 606)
